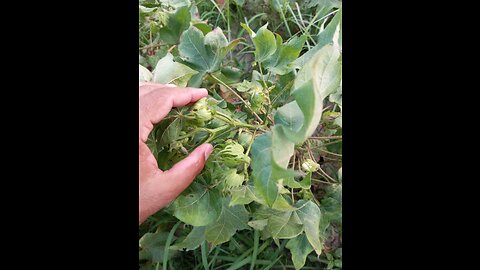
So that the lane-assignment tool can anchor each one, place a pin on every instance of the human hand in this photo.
(158, 188)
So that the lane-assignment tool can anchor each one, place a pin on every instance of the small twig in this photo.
(171, 48)
(151, 46)
(325, 174)
(331, 153)
(238, 96)
(326, 108)
(333, 159)
(325, 137)
(325, 182)
(334, 142)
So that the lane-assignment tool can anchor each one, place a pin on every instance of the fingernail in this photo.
(208, 151)
(204, 89)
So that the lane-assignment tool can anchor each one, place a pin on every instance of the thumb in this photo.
(182, 174)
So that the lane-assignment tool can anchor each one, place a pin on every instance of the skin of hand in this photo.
(157, 188)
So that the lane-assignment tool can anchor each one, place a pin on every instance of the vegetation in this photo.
(270, 195)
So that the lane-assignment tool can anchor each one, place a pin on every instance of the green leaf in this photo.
(244, 86)
(248, 29)
(307, 181)
(327, 35)
(284, 225)
(265, 45)
(175, 24)
(239, 2)
(144, 75)
(336, 96)
(193, 239)
(170, 133)
(197, 206)
(196, 79)
(168, 71)
(205, 28)
(233, 179)
(271, 153)
(300, 248)
(290, 116)
(278, 5)
(338, 121)
(310, 215)
(281, 224)
(242, 195)
(152, 246)
(203, 53)
(258, 224)
(282, 61)
(324, 38)
(314, 82)
(176, 3)
(282, 204)
(230, 220)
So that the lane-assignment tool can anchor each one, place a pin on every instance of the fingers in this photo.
(147, 87)
(156, 102)
(181, 175)
(147, 162)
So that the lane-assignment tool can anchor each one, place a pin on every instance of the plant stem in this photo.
(151, 46)
(325, 174)
(256, 237)
(227, 3)
(167, 245)
(261, 73)
(326, 137)
(237, 95)
(331, 153)
(325, 182)
(195, 131)
(204, 250)
(286, 23)
(234, 123)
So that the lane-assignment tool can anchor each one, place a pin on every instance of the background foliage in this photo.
(270, 194)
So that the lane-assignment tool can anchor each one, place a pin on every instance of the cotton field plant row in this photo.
(270, 193)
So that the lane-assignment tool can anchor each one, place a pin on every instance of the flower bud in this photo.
(310, 165)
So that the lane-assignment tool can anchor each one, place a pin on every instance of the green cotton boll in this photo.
(201, 112)
(257, 98)
(310, 165)
(203, 115)
(175, 146)
(245, 139)
(201, 104)
(233, 154)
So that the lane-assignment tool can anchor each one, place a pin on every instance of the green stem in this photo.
(256, 237)
(167, 245)
(286, 23)
(214, 135)
(224, 118)
(261, 73)
(195, 131)
(237, 95)
(227, 3)
(204, 250)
